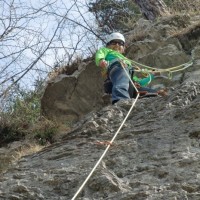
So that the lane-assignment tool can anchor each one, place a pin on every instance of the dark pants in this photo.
(119, 85)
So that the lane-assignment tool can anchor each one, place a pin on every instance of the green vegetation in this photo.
(114, 15)
(183, 6)
(121, 15)
(21, 118)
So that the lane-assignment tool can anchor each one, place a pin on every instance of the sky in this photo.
(52, 31)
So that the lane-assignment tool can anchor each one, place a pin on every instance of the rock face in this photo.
(155, 156)
(69, 97)
(158, 44)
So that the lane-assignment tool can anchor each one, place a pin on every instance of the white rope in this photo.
(107, 148)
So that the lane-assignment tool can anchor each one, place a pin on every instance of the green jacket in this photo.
(109, 55)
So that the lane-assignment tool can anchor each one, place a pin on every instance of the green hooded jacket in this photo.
(109, 55)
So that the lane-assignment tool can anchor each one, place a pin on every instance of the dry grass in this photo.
(190, 30)
(67, 69)
(27, 150)
(184, 6)
(10, 156)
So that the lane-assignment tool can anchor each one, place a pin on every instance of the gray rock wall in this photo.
(69, 97)
(160, 44)
(155, 156)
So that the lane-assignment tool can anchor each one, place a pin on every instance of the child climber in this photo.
(112, 61)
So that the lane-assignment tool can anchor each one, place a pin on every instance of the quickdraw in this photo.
(106, 143)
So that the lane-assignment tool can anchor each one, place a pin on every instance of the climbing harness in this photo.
(111, 141)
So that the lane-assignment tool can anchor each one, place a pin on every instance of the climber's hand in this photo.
(103, 63)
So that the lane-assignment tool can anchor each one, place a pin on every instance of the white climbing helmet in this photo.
(115, 36)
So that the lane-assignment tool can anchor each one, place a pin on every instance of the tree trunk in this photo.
(152, 8)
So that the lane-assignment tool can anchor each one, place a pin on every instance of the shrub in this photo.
(44, 131)
(22, 119)
(183, 6)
